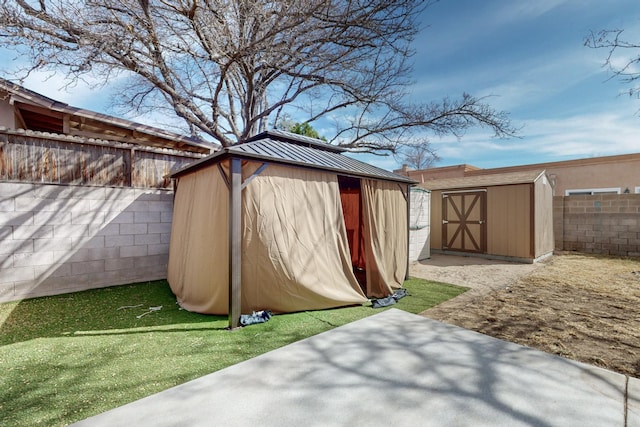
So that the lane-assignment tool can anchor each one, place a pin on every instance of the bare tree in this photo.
(227, 68)
(418, 156)
(628, 71)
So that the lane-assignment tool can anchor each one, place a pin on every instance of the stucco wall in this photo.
(59, 238)
(599, 224)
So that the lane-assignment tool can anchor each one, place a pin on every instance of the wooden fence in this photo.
(53, 159)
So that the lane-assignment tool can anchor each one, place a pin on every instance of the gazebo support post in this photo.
(406, 276)
(235, 243)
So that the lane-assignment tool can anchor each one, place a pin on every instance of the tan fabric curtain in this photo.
(385, 229)
(295, 250)
(198, 270)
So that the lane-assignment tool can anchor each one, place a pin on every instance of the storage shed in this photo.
(504, 215)
(285, 223)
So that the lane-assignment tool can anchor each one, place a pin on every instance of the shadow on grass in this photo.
(132, 309)
(67, 357)
(106, 310)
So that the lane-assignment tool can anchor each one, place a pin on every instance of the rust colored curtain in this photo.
(350, 199)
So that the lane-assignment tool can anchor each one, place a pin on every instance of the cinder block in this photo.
(21, 232)
(54, 191)
(51, 218)
(13, 189)
(150, 261)
(88, 243)
(160, 249)
(110, 204)
(165, 238)
(159, 228)
(116, 217)
(8, 275)
(126, 195)
(615, 229)
(118, 264)
(166, 216)
(31, 259)
(619, 202)
(7, 292)
(153, 272)
(149, 194)
(7, 204)
(87, 217)
(56, 285)
(56, 244)
(87, 267)
(79, 205)
(6, 261)
(146, 217)
(42, 272)
(104, 230)
(133, 251)
(138, 206)
(146, 239)
(619, 241)
(94, 254)
(16, 218)
(71, 230)
(133, 228)
(10, 246)
(69, 192)
(119, 240)
(161, 206)
(28, 204)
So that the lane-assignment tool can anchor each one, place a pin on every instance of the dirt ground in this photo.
(582, 307)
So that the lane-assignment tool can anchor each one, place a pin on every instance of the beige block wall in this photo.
(57, 238)
(599, 224)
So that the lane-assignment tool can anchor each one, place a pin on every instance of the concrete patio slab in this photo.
(393, 368)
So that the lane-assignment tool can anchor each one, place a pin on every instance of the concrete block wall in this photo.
(60, 238)
(606, 224)
(419, 225)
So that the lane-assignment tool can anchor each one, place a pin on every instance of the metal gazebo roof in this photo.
(297, 150)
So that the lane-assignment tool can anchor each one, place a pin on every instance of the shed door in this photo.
(464, 224)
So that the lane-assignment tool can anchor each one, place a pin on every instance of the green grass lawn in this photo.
(68, 357)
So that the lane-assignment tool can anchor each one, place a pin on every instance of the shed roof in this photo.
(483, 180)
(296, 150)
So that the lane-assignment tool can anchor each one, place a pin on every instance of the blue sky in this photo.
(527, 56)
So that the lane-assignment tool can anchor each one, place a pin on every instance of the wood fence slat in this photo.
(46, 160)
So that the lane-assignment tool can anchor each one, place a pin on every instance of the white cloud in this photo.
(588, 135)
(526, 10)
(582, 136)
